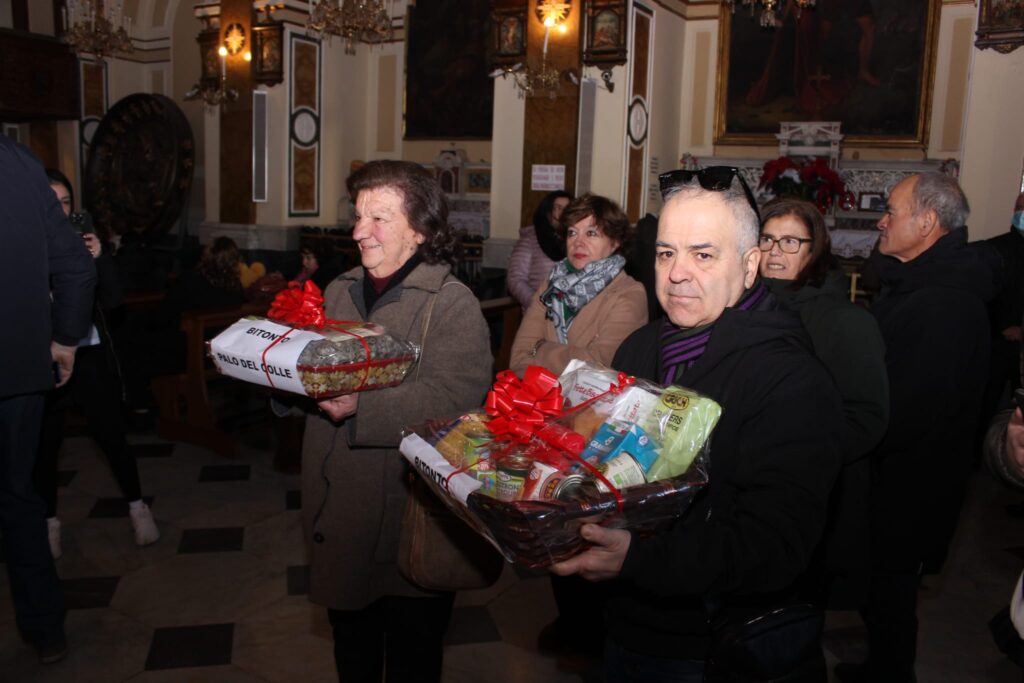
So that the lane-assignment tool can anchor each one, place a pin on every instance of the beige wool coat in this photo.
(354, 480)
(595, 333)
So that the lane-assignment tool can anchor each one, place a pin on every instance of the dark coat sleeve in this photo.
(760, 536)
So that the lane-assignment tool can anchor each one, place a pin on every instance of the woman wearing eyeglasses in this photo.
(799, 268)
(588, 304)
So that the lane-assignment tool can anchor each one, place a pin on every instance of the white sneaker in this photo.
(144, 525)
(53, 534)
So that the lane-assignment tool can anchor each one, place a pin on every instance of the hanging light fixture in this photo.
(366, 21)
(769, 15)
(91, 28)
(218, 94)
(546, 79)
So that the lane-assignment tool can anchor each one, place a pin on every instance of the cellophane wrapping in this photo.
(320, 362)
(629, 455)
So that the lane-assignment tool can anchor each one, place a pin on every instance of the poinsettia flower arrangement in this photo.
(810, 179)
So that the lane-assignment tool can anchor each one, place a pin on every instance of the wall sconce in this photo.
(215, 94)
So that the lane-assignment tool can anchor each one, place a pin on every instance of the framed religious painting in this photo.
(1000, 25)
(508, 36)
(606, 33)
(866, 63)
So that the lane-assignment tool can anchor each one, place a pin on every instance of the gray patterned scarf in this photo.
(571, 290)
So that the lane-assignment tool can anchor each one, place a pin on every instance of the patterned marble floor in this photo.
(221, 597)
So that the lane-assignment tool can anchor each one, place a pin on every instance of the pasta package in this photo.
(337, 358)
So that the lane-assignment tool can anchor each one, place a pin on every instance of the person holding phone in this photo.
(96, 390)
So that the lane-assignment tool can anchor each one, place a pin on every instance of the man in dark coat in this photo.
(1006, 311)
(932, 314)
(42, 255)
(774, 454)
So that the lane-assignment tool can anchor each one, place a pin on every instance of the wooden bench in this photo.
(184, 399)
(510, 313)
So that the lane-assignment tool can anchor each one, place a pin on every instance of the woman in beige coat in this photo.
(354, 480)
(589, 304)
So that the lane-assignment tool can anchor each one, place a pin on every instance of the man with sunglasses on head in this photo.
(932, 314)
(739, 550)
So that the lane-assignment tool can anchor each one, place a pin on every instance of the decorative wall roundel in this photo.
(637, 121)
(305, 127)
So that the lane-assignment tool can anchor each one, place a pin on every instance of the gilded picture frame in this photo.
(606, 35)
(1000, 25)
(814, 67)
(508, 36)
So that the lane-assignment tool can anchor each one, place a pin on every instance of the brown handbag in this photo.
(437, 550)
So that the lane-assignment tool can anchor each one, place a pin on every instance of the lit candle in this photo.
(223, 52)
(547, 30)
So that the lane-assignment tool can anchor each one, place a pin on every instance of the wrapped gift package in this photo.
(549, 454)
(304, 353)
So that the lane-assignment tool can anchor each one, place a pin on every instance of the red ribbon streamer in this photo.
(303, 306)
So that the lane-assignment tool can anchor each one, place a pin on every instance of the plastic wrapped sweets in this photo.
(545, 457)
(338, 358)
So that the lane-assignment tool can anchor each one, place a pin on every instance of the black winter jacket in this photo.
(40, 251)
(933, 317)
(774, 457)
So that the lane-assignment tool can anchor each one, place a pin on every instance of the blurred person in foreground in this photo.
(48, 278)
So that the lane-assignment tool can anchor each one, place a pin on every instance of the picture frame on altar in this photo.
(871, 201)
(810, 67)
(1000, 25)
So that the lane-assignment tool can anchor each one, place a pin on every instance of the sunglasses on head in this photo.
(712, 178)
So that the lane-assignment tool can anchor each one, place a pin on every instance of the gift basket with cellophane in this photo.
(548, 454)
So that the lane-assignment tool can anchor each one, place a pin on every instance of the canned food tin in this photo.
(511, 477)
(622, 471)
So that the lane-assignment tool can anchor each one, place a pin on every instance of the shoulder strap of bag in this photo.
(426, 321)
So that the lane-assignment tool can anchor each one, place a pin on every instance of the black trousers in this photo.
(38, 599)
(401, 636)
(96, 391)
(890, 615)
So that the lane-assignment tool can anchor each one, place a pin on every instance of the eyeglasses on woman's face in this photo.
(787, 243)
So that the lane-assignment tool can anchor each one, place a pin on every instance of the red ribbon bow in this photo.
(299, 305)
(520, 407)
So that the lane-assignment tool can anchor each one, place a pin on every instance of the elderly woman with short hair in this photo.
(354, 481)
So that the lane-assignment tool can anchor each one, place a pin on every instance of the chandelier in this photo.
(537, 82)
(354, 20)
(91, 28)
(769, 16)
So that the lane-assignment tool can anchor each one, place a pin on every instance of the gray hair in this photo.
(748, 226)
(942, 194)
